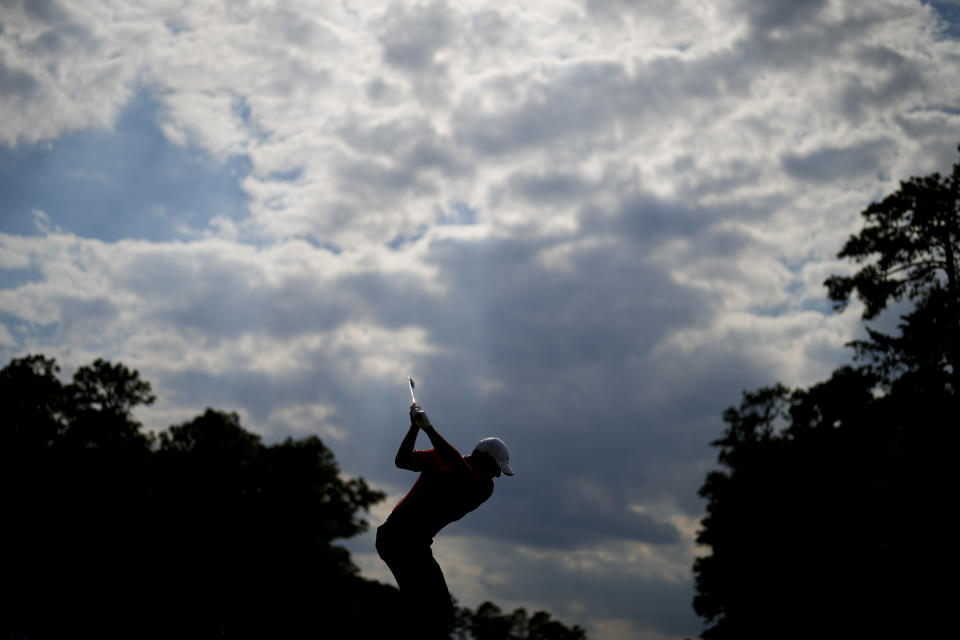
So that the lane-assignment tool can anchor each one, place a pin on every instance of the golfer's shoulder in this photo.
(432, 461)
(426, 459)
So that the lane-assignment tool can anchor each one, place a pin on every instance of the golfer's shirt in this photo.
(439, 496)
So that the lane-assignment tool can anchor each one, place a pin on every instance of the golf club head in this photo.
(412, 385)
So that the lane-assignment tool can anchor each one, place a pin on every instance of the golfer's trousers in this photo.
(419, 577)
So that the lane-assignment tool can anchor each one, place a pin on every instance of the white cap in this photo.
(496, 449)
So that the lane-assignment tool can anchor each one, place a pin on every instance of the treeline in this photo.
(200, 531)
(831, 515)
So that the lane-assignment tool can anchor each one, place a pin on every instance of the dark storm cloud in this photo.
(838, 163)
(57, 35)
(42, 10)
(927, 125)
(16, 82)
(556, 111)
(258, 393)
(902, 79)
(565, 515)
(617, 8)
(397, 156)
(800, 46)
(776, 14)
(412, 37)
(383, 179)
(489, 26)
(551, 187)
(649, 221)
(295, 27)
(719, 178)
(588, 447)
(572, 351)
(935, 130)
(541, 317)
(64, 39)
(234, 298)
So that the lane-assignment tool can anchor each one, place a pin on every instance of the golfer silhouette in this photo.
(450, 486)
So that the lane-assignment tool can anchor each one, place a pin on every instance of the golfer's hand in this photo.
(418, 416)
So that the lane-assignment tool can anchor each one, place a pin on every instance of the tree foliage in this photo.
(489, 622)
(828, 516)
(908, 249)
(201, 531)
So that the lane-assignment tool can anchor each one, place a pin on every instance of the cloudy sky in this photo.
(582, 225)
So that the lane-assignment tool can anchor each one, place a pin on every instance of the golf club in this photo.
(412, 386)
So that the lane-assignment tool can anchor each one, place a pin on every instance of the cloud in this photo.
(774, 14)
(412, 37)
(594, 584)
(17, 82)
(832, 163)
(580, 511)
(6, 338)
(58, 72)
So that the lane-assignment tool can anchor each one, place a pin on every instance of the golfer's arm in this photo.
(405, 458)
(447, 452)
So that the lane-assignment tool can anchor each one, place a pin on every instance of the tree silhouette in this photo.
(909, 248)
(235, 495)
(33, 398)
(202, 532)
(828, 517)
(489, 622)
(74, 468)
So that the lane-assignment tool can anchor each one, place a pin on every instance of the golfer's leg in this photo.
(401, 560)
(420, 581)
(436, 597)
